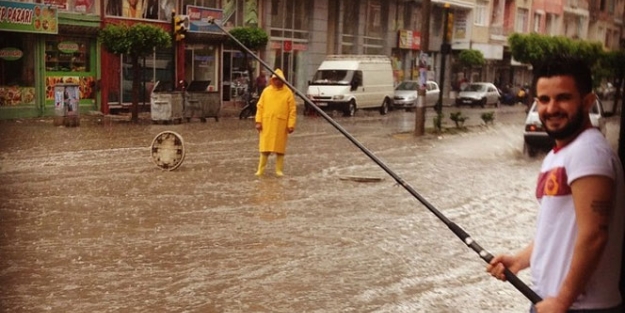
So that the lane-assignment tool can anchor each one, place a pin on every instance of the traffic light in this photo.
(181, 24)
(449, 27)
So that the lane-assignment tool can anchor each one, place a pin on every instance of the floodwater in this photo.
(90, 224)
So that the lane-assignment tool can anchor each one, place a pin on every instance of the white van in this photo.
(351, 82)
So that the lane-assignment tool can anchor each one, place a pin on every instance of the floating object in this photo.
(362, 179)
(168, 150)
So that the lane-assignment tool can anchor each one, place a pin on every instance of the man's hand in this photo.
(498, 263)
(259, 127)
(290, 129)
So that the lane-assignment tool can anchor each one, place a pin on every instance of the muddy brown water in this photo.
(90, 224)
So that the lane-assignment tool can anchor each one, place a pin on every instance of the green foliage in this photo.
(470, 58)
(611, 64)
(488, 117)
(137, 40)
(458, 118)
(532, 48)
(252, 37)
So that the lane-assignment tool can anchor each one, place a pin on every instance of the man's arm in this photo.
(593, 198)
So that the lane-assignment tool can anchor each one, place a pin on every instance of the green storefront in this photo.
(43, 46)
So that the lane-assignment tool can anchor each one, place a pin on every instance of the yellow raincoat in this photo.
(276, 111)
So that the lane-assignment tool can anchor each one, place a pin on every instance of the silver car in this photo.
(481, 94)
(535, 138)
(406, 94)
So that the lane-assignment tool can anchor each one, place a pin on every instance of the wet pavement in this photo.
(90, 224)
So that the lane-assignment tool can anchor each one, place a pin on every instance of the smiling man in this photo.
(575, 257)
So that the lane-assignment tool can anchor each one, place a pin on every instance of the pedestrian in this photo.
(261, 82)
(575, 256)
(275, 119)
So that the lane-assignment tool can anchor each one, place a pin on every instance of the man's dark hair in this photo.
(565, 65)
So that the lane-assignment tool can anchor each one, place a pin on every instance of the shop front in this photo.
(34, 56)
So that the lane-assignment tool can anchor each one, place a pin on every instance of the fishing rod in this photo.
(457, 230)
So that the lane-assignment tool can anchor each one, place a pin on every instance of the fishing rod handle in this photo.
(521, 286)
(487, 256)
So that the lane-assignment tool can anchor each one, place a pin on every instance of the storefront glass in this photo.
(155, 68)
(17, 69)
(201, 64)
(67, 61)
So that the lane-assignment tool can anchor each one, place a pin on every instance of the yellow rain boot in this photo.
(279, 165)
(262, 163)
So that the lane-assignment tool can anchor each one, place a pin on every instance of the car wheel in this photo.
(529, 150)
(483, 103)
(385, 105)
(351, 109)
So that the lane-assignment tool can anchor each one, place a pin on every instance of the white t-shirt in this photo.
(588, 154)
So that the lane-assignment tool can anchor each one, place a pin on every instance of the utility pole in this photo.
(173, 49)
(448, 26)
(426, 8)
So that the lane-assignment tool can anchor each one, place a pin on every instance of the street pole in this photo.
(445, 49)
(173, 49)
(426, 8)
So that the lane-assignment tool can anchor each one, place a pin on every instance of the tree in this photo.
(612, 67)
(136, 41)
(532, 48)
(253, 38)
(471, 58)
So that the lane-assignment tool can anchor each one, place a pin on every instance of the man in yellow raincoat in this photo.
(275, 119)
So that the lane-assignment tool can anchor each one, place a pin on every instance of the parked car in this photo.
(406, 94)
(481, 94)
(535, 138)
(605, 91)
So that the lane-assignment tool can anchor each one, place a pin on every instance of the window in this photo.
(521, 20)
(140, 9)
(550, 24)
(374, 24)
(155, 68)
(481, 9)
(537, 18)
(373, 41)
(17, 78)
(415, 20)
(290, 19)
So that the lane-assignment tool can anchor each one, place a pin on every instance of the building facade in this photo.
(46, 43)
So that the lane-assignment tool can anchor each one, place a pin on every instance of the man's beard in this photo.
(574, 125)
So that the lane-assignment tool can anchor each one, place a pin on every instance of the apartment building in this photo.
(48, 42)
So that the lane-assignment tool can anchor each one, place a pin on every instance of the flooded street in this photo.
(90, 224)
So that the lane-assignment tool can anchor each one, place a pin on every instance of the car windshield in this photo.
(407, 86)
(333, 77)
(476, 87)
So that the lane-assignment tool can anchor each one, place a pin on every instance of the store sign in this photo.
(198, 18)
(409, 39)
(28, 17)
(11, 54)
(287, 46)
(68, 46)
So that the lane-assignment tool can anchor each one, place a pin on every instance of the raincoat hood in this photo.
(278, 72)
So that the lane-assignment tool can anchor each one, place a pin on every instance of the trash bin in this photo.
(199, 102)
(66, 105)
(166, 105)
